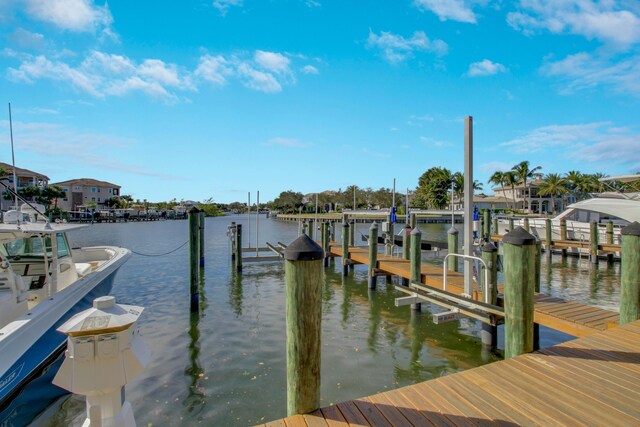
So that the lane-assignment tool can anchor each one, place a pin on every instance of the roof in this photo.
(87, 182)
(21, 172)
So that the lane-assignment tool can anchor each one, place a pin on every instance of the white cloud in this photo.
(258, 80)
(455, 10)
(224, 5)
(485, 68)
(313, 3)
(491, 167)
(272, 61)
(214, 69)
(286, 142)
(585, 71)
(26, 39)
(434, 142)
(72, 15)
(607, 21)
(310, 69)
(598, 142)
(396, 48)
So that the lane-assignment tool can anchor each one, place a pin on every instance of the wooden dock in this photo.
(588, 381)
(566, 316)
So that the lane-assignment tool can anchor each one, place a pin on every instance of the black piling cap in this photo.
(194, 210)
(345, 224)
(632, 229)
(519, 237)
(303, 249)
(489, 247)
(453, 230)
(415, 231)
(374, 225)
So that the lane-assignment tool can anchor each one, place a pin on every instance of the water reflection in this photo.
(235, 293)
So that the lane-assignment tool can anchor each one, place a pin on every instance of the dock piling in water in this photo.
(610, 240)
(489, 334)
(486, 224)
(239, 247)
(416, 259)
(325, 242)
(345, 248)
(563, 234)
(452, 239)
(304, 277)
(201, 239)
(194, 257)
(593, 242)
(373, 254)
(630, 274)
(548, 237)
(519, 285)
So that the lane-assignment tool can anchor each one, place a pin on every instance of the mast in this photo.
(13, 160)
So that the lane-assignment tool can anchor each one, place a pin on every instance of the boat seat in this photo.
(83, 268)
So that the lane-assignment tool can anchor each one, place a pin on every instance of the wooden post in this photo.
(332, 231)
(406, 248)
(630, 274)
(495, 225)
(232, 236)
(345, 248)
(610, 240)
(304, 277)
(416, 259)
(486, 224)
(519, 284)
(201, 240)
(239, 247)
(194, 258)
(325, 242)
(412, 221)
(452, 237)
(489, 333)
(548, 237)
(390, 237)
(511, 223)
(593, 242)
(352, 239)
(373, 254)
(536, 326)
(563, 234)
(526, 224)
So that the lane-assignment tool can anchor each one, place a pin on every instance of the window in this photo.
(98, 199)
(65, 188)
(93, 189)
(110, 191)
(63, 247)
(93, 198)
(65, 200)
(77, 188)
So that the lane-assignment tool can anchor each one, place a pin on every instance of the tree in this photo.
(458, 185)
(51, 194)
(433, 189)
(524, 173)
(288, 201)
(553, 184)
(511, 180)
(497, 179)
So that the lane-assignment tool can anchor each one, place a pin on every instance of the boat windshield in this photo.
(582, 215)
(32, 247)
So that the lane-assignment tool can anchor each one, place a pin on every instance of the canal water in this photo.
(226, 365)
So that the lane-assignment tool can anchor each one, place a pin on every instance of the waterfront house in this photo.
(539, 203)
(25, 178)
(84, 190)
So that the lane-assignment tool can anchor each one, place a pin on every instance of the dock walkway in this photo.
(588, 381)
(566, 316)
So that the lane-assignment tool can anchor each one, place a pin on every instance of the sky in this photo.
(214, 99)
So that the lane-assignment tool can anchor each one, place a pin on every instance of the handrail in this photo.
(486, 273)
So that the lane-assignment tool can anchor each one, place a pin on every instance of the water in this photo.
(226, 366)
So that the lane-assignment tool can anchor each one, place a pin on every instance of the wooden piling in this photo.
(486, 225)
(495, 225)
(452, 238)
(304, 276)
(593, 242)
(390, 237)
(526, 225)
(630, 274)
(194, 258)
(563, 234)
(511, 223)
(325, 242)
(519, 284)
(352, 239)
(413, 220)
(489, 333)
(406, 242)
(548, 237)
(415, 260)
(536, 282)
(239, 247)
(345, 248)
(232, 236)
(610, 240)
(201, 240)
(373, 254)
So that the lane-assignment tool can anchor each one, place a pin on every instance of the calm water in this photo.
(226, 366)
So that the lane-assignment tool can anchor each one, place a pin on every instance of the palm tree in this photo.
(523, 173)
(497, 179)
(511, 179)
(553, 184)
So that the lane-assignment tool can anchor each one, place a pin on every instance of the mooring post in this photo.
(416, 259)
(593, 242)
(511, 223)
(232, 237)
(610, 240)
(194, 258)
(525, 223)
(325, 242)
(413, 220)
(201, 240)
(239, 247)
(406, 248)
(536, 327)
(345, 248)
(563, 234)
(487, 225)
(332, 231)
(452, 237)
(352, 239)
(373, 254)
(630, 274)
(390, 236)
(548, 237)
(519, 248)
(304, 276)
(489, 334)
(495, 225)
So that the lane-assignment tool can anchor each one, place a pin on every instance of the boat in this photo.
(43, 282)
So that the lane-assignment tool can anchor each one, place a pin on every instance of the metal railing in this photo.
(486, 273)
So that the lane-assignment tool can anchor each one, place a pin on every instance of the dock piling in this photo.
(373, 254)
(489, 334)
(525, 223)
(630, 274)
(563, 234)
(593, 242)
(194, 258)
(239, 247)
(201, 240)
(304, 277)
(345, 248)
(486, 225)
(548, 237)
(519, 285)
(416, 259)
(452, 238)
(325, 242)
(511, 223)
(610, 240)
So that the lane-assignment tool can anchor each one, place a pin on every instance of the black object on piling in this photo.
(194, 259)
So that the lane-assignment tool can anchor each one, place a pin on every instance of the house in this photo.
(25, 178)
(84, 190)
(539, 203)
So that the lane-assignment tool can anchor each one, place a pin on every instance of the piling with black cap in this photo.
(486, 225)
(609, 240)
(194, 258)
(304, 276)
(452, 240)
(489, 334)
(412, 221)
(352, 239)
(519, 285)
(345, 248)
(525, 223)
(239, 247)
(373, 254)
(201, 239)
(495, 225)
(511, 223)
(416, 259)
(593, 242)
(548, 237)
(232, 236)
(325, 242)
(563, 234)
(630, 274)
(406, 248)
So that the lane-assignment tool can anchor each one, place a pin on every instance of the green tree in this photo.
(511, 179)
(523, 172)
(553, 185)
(51, 194)
(288, 201)
(433, 189)
(458, 185)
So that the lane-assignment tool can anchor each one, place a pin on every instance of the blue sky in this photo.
(199, 99)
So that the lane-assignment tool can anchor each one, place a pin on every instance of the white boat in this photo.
(43, 282)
